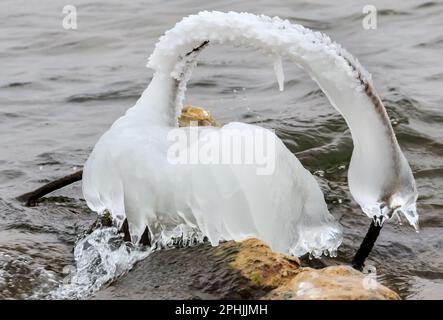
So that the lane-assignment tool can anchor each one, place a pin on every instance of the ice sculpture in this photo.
(129, 174)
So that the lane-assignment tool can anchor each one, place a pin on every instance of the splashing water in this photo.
(100, 257)
(103, 256)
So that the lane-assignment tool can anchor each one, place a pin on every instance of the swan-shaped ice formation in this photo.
(128, 172)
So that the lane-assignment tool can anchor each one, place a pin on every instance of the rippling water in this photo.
(61, 89)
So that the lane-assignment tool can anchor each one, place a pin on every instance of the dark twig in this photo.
(31, 198)
(366, 246)
(197, 49)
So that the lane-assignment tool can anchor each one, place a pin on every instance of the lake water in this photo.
(61, 89)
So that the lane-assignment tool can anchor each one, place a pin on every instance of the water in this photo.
(60, 89)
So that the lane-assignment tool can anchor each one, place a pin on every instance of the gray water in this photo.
(61, 89)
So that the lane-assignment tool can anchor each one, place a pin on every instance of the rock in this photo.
(198, 115)
(260, 265)
(332, 283)
(238, 270)
(103, 220)
(200, 272)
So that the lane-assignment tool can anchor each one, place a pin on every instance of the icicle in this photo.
(398, 216)
(332, 253)
(278, 69)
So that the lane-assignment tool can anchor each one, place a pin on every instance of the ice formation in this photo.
(128, 172)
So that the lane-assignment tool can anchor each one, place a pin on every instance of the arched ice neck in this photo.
(344, 81)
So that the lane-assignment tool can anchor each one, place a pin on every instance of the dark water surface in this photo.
(61, 89)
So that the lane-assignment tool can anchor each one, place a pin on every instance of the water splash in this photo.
(100, 257)
(21, 278)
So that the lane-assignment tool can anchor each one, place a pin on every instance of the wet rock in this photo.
(104, 220)
(197, 115)
(200, 272)
(332, 283)
(238, 270)
(260, 265)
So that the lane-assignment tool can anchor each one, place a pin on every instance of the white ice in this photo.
(279, 74)
(128, 172)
